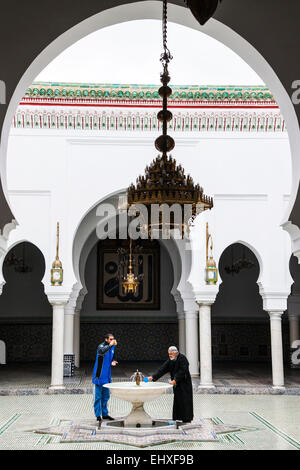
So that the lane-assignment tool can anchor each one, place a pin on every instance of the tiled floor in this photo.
(231, 374)
(86, 430)
(274, 420)
(16, 376)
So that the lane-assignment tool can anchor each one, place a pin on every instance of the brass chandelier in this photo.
(130, 281)
(19, 264)
(165, 182)
(239, 265)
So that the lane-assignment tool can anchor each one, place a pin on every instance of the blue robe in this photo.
(102, 367)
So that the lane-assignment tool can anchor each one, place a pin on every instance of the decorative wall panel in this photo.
(142, 341)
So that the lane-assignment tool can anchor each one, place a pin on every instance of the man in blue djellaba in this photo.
(105, 358)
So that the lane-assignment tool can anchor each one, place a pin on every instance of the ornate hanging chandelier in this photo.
(239, 265)
(19, 264)
(130, 282)
(164, 181)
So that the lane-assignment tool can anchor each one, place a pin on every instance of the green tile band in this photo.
(277, 431)
(148, 92)
(8, 423)
(228, 437)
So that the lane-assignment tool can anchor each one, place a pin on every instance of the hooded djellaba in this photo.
(183, 390)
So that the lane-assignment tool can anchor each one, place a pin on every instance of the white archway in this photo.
(84, 241)
(86, 238)
(182, 16)
(258, 256)
(10, 248)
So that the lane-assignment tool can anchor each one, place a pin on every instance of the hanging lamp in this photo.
(165, 182)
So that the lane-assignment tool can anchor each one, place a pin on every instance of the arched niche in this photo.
(295, 273)
(25, 313)
(161, 323)
(143, 335)
(86, 237)
(239, 293)
(240, 328)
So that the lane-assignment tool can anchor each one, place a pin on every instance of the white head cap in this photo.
(173, 349)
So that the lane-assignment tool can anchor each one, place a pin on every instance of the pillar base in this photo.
(278, 387)
(203, 386)
(57, 387)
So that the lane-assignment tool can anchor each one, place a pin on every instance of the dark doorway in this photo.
(25, 313)
(241, 331)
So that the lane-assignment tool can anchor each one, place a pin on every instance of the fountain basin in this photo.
(137, 395)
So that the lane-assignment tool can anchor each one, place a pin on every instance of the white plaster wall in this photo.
(33, 212)
(249, 175)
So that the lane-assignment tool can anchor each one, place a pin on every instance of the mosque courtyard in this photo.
(32, 417)
(227, 296)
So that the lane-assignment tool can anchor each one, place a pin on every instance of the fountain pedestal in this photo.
(138, 416)
(137, 395)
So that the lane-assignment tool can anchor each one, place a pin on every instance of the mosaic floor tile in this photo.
(282, 413)
(204, 430)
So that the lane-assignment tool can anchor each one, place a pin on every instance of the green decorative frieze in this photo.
(147, 93)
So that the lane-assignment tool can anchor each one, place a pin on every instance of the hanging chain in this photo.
(165, 143)
(165, 25)
(166, 57)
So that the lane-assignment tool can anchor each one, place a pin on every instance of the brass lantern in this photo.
(211, 270)
(130, 284)
(57, 270)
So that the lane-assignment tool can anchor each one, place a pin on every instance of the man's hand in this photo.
(173, 382)
(150, 379)
(114, 363)
(113, 342)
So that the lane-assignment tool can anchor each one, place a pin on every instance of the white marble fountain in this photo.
(137, 395)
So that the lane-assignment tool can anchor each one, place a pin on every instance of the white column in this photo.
(77, 338)
(277, 349)
(191, 342)
(69, 330)
(181, 331)
(294, 337)
(57, 370)
(77, 309)
(294, 324)
(205, 346)
(181, 320)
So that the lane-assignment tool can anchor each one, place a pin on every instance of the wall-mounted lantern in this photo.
(57, 270)
(211, 270)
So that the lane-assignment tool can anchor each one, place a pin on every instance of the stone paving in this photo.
(260, 422)
(232, 378)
